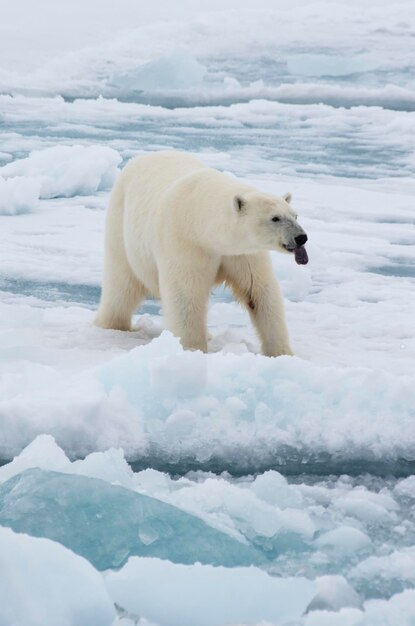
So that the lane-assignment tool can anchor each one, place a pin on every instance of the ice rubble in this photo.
(406, 488)
(108, 524)
(285, 522)
(302, 140)
(386, 574)
(61, 171)
(400, 609)
(326, 534)
(44, 584)
(184, 409)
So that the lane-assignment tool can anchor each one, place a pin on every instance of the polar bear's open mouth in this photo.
(300, 254)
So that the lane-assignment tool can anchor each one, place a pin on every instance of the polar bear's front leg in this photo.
(253, 282)
(185, 290)
(267, 314)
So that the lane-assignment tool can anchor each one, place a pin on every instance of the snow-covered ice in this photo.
(302, 468)
(44, 584)
(212, 596)
(65, 170)
(18, 195)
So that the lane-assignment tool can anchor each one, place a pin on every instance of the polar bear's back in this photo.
(153, 174)
(145, 181)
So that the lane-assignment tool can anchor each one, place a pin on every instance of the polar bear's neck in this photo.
(208, 216)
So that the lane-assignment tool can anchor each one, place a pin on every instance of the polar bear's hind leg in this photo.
(121, 294)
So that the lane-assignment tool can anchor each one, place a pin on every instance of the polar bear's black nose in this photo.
(300, 239)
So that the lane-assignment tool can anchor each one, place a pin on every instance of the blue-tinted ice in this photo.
(107, 524)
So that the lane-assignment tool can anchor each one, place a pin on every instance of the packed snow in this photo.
(172, 487)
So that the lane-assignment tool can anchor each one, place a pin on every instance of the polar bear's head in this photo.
(268, 222)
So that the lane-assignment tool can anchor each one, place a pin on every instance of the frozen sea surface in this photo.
(299, 471)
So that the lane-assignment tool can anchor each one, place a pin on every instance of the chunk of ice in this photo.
(107, 524)
(63, 171)
(44, 584)
(406, 487)
(344, 540)
(202, 595)
(43, 452)
(334, 593)
(386, 575)
(18, 195)
(176, 71)
(398, 611)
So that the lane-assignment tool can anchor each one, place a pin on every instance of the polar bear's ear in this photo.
(239, 204)
(287, 197)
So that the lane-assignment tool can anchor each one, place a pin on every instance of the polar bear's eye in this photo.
(275, 218)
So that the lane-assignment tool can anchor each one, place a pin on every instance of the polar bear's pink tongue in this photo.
(301, 256)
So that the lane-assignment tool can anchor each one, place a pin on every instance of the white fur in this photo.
(175, 228)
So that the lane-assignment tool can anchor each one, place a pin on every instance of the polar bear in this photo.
(175, 228)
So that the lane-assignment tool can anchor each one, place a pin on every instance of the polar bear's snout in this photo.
(297, 238)
(300, 240)
(293, 236)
